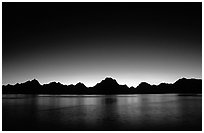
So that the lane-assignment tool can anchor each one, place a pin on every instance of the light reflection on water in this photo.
(100, 112)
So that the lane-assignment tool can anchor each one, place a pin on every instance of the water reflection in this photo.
(114, 112)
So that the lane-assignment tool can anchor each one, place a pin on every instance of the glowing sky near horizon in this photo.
(86, 42)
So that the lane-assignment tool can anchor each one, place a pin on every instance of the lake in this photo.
(142, 112)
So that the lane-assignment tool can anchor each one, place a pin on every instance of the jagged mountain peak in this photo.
(79, 84)
(33, 81)
(108, 81)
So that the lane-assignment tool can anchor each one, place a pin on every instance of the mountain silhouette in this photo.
(108, 82)
(194, 85)
(80, 85)
(144, 87)
(106, 86)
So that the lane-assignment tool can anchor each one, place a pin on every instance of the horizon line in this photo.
(100, 81)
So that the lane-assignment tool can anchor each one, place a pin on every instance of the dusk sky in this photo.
(86, 42)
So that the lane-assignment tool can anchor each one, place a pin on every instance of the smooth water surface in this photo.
(100, 112)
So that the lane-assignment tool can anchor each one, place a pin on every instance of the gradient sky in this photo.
(86, 42)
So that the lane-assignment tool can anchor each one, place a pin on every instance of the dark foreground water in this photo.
(99, 112)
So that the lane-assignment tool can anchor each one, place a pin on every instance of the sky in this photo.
(86, 42)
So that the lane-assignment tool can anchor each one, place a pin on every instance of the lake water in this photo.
(100, 112)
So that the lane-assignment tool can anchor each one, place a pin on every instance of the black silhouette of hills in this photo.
(106, 86)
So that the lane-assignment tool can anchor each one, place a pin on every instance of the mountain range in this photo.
(106, 86)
